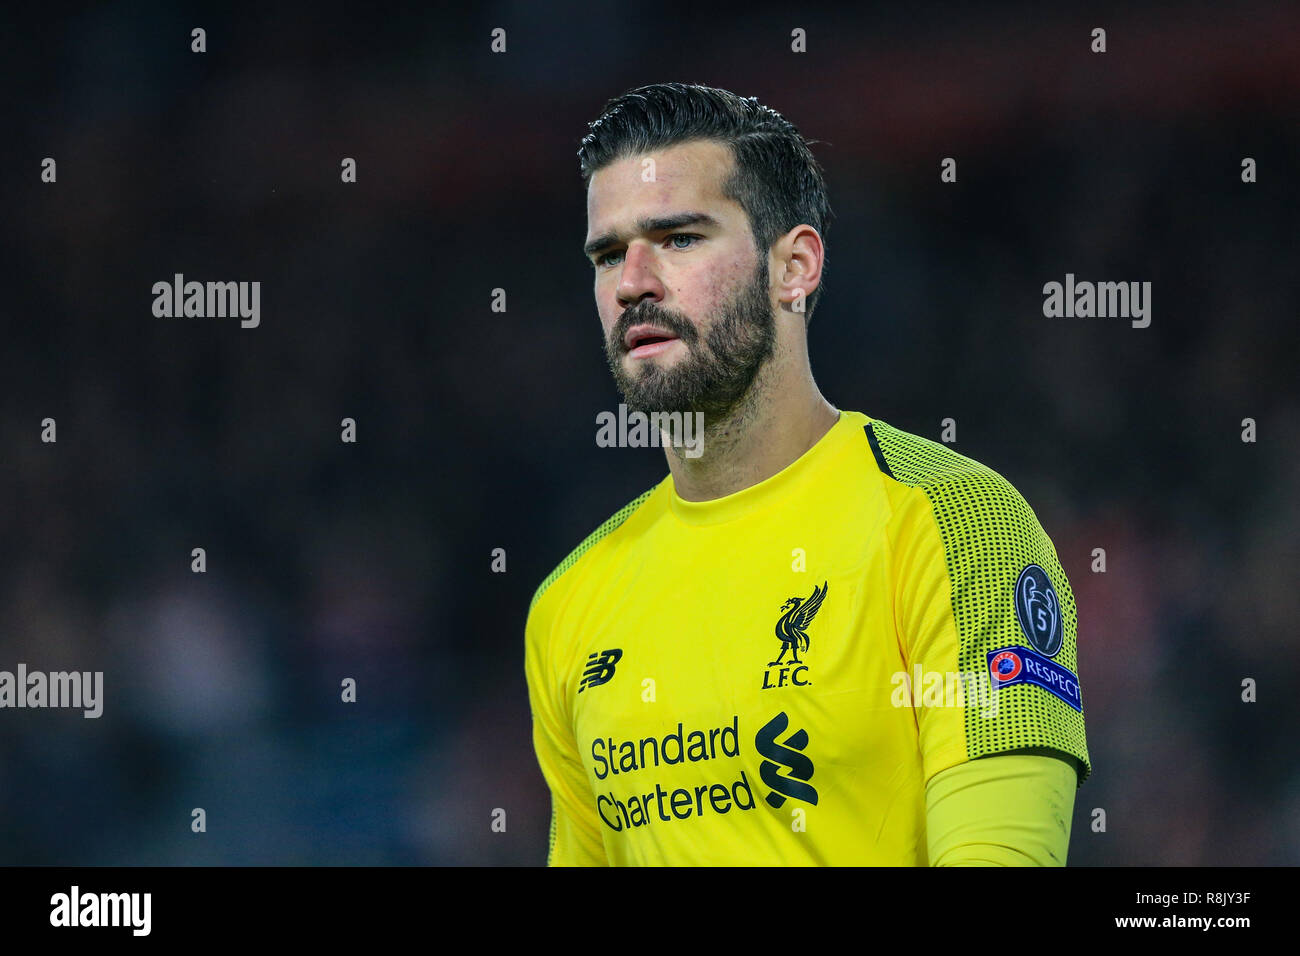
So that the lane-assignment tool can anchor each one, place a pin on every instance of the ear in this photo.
(798, 266)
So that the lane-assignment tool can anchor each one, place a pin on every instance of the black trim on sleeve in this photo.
(875, 450)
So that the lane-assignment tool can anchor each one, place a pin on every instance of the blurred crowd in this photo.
(372, 560)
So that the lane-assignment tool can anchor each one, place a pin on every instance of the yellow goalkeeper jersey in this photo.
(771, 677)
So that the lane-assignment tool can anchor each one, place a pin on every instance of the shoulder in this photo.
(921, 463)
(588, 548)
(971, 502)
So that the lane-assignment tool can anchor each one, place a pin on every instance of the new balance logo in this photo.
(600, 668)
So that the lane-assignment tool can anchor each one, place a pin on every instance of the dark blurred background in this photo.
(476, 428)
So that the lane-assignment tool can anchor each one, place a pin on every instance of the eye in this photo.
(610, 258)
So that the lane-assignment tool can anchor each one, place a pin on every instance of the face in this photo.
(682, 292)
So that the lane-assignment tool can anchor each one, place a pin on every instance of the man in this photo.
(820, 639)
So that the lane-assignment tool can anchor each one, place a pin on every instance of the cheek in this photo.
(606, 309)
(607, 321)
(721, 285)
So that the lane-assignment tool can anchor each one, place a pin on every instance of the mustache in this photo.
(649, 314)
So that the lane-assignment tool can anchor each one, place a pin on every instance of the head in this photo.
(705, 218)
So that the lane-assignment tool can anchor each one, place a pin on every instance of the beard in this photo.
(717, 373)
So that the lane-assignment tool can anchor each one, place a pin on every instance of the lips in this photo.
(651, 347)
(643, 336)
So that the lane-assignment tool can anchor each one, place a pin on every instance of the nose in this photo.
(639, 278)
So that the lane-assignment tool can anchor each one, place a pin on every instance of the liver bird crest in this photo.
(792, 629)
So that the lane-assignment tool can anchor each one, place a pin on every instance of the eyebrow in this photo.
(661, 224)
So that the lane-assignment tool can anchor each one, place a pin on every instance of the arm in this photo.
(575, 838)
(981, 593)
(1013, 809)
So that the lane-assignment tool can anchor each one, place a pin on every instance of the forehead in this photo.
(686, 175)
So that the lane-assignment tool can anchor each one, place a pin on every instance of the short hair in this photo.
(776, 179)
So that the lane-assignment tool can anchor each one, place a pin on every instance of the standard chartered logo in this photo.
(786, 755)
(621, 809)
(612, 758)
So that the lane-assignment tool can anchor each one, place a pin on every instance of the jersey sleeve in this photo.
(575, 830)
(1004, 810)
(982, 600)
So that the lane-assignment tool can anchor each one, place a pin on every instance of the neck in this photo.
(774, 425)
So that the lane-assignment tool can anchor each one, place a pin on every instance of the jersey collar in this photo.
(790, 481)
